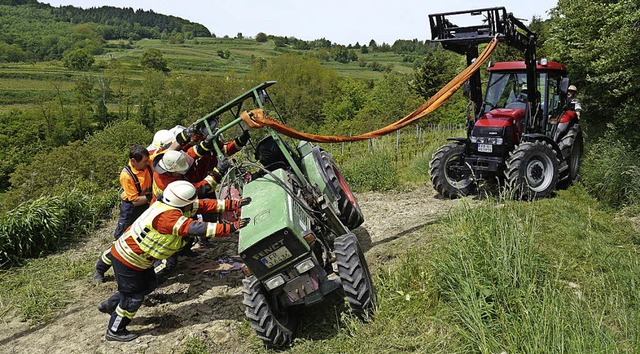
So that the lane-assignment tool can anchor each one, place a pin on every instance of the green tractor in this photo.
(298, 246)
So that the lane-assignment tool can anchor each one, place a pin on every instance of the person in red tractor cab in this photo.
(158, 234)
(572, 99)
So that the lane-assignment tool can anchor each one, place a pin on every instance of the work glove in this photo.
(220, 170)
(228, 229)
(185, 136)
(239, 224)
(243, 139)
(236, 204)
(208, 142)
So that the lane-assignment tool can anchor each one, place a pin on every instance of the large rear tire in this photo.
(571, 146)
(274, 325)
(350, 213)
(355, 276)
(532, 170)
(450, 176)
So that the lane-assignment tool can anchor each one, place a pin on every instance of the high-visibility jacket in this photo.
(135, 183)
(160, 231)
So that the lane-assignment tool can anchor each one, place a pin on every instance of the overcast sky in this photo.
(340, 21)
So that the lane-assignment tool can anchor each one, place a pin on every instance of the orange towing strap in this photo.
(257, 119)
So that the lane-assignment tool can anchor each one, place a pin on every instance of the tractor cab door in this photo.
(556, 102)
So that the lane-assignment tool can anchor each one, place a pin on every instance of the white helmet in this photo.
(179, 194)
(173, 161)
(160, 138)
(573, 88)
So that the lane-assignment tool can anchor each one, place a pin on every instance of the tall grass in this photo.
(553, 276)
(611, 171)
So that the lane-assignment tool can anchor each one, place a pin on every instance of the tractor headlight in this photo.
(487, 140)
(274, 282)
(305, 266)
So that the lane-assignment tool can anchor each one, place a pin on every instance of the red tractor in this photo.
(523, 131)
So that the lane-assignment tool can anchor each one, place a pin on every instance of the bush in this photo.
(374, 172)
(611, 172)
(42, 225)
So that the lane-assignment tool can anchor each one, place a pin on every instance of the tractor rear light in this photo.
(305, 266)
(246, 271)
(274, 282)
(309, 237)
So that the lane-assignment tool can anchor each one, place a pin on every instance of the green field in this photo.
(26, 86)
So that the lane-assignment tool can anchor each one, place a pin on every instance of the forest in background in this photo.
(69, 115)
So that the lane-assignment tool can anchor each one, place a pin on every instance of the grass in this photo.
(551, 276)
(37, 291)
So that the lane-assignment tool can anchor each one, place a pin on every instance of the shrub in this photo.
(611, 172)
(374, 172)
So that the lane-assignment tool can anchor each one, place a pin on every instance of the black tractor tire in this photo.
(348, 208)
(275, 326)
(355, 276)
(572, 147)
(532, 170)
(450, 177)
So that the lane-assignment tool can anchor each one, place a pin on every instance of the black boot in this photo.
(117, 330)
(122, 336)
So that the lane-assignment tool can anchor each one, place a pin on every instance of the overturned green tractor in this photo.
(298, 246)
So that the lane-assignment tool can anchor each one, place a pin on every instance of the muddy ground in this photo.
(204, 297)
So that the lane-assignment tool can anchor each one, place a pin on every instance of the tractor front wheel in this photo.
(273, 324)
(350, 213)
(532, 170)
(450, 176)
(355, 276)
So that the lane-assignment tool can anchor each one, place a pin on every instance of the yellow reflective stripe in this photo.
(210, 180)
(220, 205)
(124, 313)
(211, 230)
(156, 189)
(157, 249)
(178, 224)
(104, 257)
(133, 258)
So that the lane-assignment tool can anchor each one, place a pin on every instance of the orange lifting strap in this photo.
(257, 119)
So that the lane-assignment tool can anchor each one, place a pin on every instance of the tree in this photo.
(435, 70)
(599, 41)
(261, 37)
(152, 59)
(78, 59)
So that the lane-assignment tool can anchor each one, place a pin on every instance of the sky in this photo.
(343, 22)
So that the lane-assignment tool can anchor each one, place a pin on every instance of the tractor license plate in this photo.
(485, 148)
(276, 257)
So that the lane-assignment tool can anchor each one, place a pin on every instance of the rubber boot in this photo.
(117, 330)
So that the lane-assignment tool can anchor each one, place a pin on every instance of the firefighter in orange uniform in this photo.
(135, 180)
(158, 234)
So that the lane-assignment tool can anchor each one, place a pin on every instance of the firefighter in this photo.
(135, 180)
(574, 103)
(158, 234)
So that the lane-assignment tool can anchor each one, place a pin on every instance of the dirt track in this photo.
(202, 299)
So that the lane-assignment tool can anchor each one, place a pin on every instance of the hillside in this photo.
(203, 302)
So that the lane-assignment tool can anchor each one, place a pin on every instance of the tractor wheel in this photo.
(450, 176)
(274, 325)
(532, 170)
(355, 276)
(571, 147)
(350, 213)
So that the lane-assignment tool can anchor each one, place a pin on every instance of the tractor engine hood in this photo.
(501, 117)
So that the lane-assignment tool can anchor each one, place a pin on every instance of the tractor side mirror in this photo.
(564, 85)
(466, 89)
